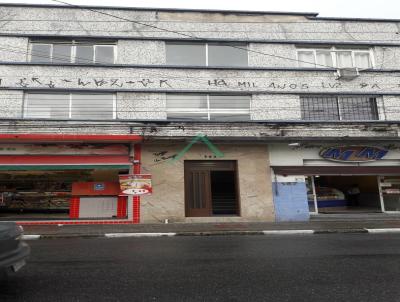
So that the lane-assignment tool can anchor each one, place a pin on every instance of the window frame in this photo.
(206, 44)
(74, 44)
(208, 111)
(333, 51)
(70, 94)
(338, 106)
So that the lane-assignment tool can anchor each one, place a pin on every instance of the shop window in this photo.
(207, 54)
(79, 52)
(335, 57)
(69, 106)
(208, 107)
(34, 192)
(320, 108)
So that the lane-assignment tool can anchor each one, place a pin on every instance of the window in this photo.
(335, 57)
(208, 107)
(186, 54)
(207, 54)
(41, 53)
(321, 108)
(80, 52)
(69, 106)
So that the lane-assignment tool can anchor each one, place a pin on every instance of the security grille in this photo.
(319, 108)
(358, 108)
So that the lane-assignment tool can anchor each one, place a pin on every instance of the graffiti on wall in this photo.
(162, 156)
(259, 84)
(275, 85)
(41, 82)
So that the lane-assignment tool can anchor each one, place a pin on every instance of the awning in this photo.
(62, 167)
(64, 160)
(46, 137)
(336, 170)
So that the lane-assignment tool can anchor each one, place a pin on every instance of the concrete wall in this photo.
(297, 29)
(275, 107)
(152, 52)
(70, 21)
(275, 95)
(387, 57)
(391, 107)
(11, 103)
(141, 106)
(152, 106)
(203, 80)
(141, 91)
(141, 52)
(257, 57)
(168, 201)
(13, 49)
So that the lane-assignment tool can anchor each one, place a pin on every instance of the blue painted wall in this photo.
(290, 199)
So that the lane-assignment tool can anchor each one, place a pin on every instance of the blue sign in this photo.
(353, 153)
(99, 186)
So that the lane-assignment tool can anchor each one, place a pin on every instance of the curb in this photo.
(219, 233)
(342, 231)
(288, 232)
(124, 235)
(215, 233)
(383, 231)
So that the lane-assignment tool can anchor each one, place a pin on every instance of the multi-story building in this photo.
(237, 116)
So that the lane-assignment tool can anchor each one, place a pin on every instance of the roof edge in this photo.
(75, 6)
(317, 18)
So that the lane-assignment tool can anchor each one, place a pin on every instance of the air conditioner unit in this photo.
(347, 73)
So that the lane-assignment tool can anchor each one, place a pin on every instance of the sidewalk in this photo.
(314, 226)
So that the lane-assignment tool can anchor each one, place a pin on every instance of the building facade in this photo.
(237, 116)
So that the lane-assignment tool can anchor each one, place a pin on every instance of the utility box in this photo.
(348, 73)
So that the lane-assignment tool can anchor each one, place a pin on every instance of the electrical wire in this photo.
(68, 58)
(180, 33)
(194, 36)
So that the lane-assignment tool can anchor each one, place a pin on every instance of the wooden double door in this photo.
(211, 188)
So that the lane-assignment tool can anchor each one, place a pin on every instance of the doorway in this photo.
(211, 188)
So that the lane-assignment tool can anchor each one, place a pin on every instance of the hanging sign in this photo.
(136, 184)
(355, 154)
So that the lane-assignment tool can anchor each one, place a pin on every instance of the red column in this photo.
(74, 204)
(136, 170)
(122, 206)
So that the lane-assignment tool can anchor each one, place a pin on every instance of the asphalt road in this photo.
(332, 267)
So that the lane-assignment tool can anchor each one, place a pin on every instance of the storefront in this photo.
(37, 192)
(312, 178)
(64, 181)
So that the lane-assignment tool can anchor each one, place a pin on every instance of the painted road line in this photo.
(381, 231)
(287, 232)
(122, 235)
(30, 237)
